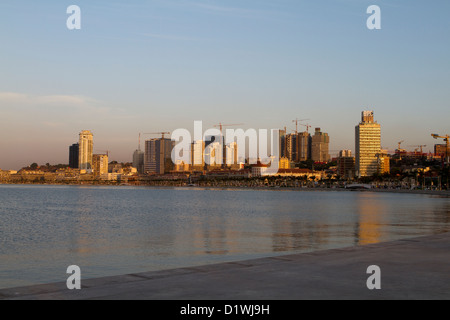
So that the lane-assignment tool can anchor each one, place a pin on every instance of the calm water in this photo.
(119, 230)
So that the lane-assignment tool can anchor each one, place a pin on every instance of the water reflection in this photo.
(371, 213)
(82, 222)
(211, 236)
(111, 231)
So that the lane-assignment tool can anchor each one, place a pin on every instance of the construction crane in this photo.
(307, 126)
(161, 133)
(296, 121)
(446, 137)
(399, 150)
(419, 147)
(220, 125)
(447, 142)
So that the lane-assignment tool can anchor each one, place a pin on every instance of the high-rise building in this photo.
(231, 154)
(158, 156)
(73, 155)
(441, 150)
(346, 164)
(100, 164)
(367, 145)
(320, 143)
(303, 146)
(297, 146)
(197, 156)
(345, 153)
(86, 147)
(291, 147)
(138, 160)
(282, 143)
(214, 155)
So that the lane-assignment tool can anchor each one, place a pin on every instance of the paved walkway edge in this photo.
(413, 268)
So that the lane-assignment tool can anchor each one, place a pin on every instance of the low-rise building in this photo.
(180, 166)
(383, 162)
(285, 163)
(259, 169)
(309, 174)
(111, 176)
(4, 175)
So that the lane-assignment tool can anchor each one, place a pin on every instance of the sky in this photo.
(149, 66)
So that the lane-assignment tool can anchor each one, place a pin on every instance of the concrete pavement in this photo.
(417, 268)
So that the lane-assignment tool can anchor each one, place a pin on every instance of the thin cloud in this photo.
(12, 97)
(171, 37)
(71, 106)
(217, 8)
(47, 100)
(211, 8)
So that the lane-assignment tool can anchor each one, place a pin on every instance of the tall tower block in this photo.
(367, 145)
(86, 147)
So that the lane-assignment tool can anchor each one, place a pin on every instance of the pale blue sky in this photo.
(149, 66)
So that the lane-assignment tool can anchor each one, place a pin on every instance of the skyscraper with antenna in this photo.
(138, 158)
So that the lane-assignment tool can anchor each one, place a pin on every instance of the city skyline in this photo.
(130, 158)
(160, 65)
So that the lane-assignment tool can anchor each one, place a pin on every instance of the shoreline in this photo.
(440, 193)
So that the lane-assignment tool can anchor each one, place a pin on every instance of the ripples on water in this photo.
(118, 230)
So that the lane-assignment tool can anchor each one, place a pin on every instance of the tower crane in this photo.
(399, 150)
(419, 147)
(307, 126)
(220, 125)
(446, 137)
(296, 121)
(161, 133)
(447, 142)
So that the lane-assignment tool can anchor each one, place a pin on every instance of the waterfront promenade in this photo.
(439, 193)
(414, 268)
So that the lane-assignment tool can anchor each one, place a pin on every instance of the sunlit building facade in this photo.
(197, 155)
(158, 156)
(346, 164)
(86, 148)
(231, 154)
(320, 143)
(367, 145)
(100, 164)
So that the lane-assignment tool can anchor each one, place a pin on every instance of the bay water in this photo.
(120, 230)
